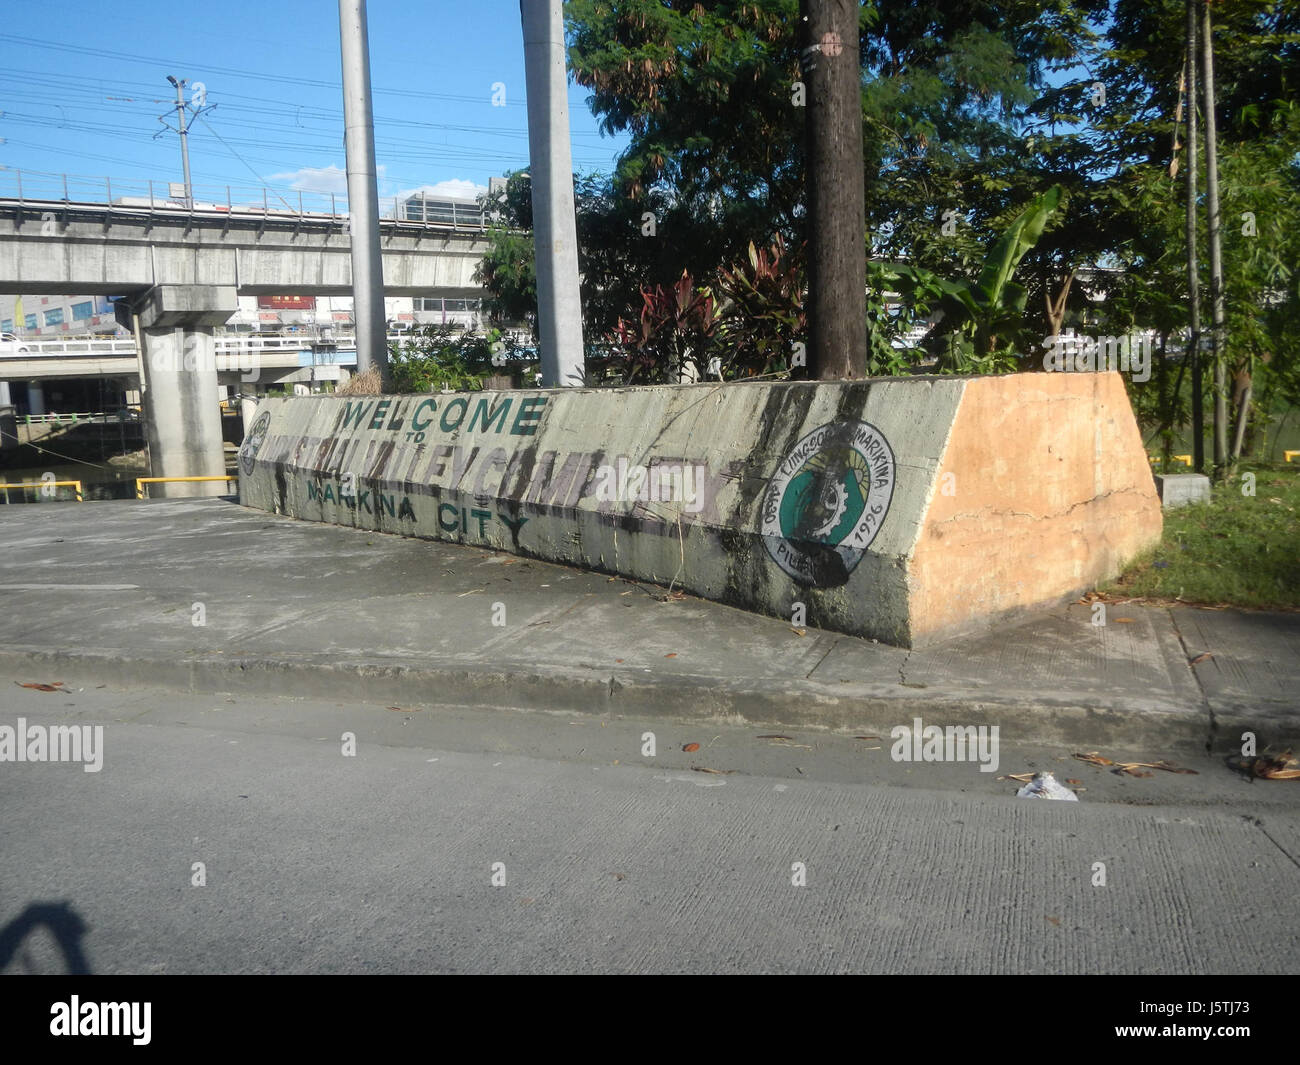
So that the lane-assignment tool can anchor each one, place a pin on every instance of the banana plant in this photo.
(983, 320)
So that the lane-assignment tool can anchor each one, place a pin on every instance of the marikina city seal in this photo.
(826, 502)
(253, 441)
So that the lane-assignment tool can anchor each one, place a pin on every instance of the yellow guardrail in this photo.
(140, 482)
(41, 484)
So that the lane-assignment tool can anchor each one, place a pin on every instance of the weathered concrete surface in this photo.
(1045, 490)
(615, 861)
(182, 413)
(105, 593)
(1179, 489)
(901, 509)
(125, 250)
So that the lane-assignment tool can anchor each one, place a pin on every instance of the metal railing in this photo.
(228, 344)
(38, 485)
(38, 189)
(140, 482)
(122, 414)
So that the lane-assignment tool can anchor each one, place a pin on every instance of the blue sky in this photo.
(82, 85)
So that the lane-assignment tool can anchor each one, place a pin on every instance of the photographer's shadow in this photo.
(63, 923)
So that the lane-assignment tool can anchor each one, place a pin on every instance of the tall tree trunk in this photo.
(1193, 352)
(837, 262)
(1056, 307)
(1221, 468)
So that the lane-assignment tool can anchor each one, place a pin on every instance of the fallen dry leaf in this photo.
(1125, 621)
(401, 710)
(1200, 658)
(1169, 767)
(1055, 922)
(1283, 767)
(673, 655)
(1132, 768)
(866, 737)
(1073, 783)
(799, 632)
(706, 769)
(688, 748)
(1024, 778)
(38, 686)
(774, 736)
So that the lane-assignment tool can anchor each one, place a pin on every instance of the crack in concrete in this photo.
(1258, 823)
(1211, 724)
(972, 515)
(834, 644)
(902, 675)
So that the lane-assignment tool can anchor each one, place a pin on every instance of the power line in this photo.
(34, 42)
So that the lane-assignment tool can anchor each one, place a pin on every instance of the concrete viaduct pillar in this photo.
(35, 397)
(182, 408)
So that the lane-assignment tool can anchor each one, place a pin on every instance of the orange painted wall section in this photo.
(1037, 506)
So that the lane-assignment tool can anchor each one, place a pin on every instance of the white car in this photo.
(11, 345)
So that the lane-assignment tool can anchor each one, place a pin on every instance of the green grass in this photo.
(1236, 550)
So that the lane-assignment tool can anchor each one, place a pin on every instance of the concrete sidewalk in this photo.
(112, 592)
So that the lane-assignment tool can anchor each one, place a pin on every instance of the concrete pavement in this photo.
(205, 596)
(799, 858)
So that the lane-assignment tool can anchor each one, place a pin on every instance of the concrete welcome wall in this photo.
(905, 509)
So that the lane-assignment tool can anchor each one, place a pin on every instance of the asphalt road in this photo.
(606, 859)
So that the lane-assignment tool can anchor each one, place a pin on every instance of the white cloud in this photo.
(318, 179)
(455, 189)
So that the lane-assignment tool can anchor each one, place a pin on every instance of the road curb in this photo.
(1065, 720)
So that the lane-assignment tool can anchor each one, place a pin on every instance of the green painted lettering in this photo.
(354, 414)
(418, 425)
(464, 406)
(497, 415)
(528, 417)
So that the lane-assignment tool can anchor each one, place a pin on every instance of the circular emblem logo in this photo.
(826, 502)
(253, 441)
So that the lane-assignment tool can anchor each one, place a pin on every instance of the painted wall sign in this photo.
(416, 416)
(826, 502)
(253, 441)
(757, 494)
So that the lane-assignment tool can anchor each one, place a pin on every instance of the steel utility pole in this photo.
(837, 264)
(1216, 248)
(1193, 265)
(363, 192)
(185, 135)
(555, 230)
